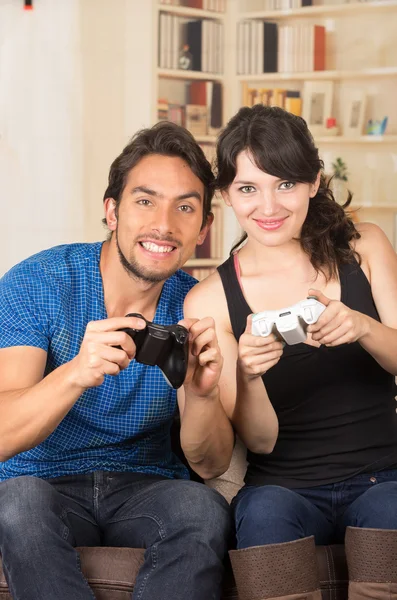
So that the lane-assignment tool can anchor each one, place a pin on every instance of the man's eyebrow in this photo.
(142, 189)
(192, 194)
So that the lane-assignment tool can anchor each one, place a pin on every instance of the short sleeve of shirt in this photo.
(24, 307)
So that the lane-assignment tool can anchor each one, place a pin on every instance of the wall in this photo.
(40, 128)
(72, 93)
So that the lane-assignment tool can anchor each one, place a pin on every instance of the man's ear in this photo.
(110, 213)
(205, 229)
(225, 196)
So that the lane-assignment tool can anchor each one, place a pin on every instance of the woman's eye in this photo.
(247, 189)
(287, 185)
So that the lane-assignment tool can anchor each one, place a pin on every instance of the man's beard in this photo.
(135, 270)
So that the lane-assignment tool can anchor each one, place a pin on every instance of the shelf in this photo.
(343, 10)
(359, 74)
(362, 139)
(203, 262)
(206, 139)
(380, 206)
(187, 11)
(182, 74)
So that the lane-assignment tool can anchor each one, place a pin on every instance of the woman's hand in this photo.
(256, 354)
(205, 358)
(338, 324)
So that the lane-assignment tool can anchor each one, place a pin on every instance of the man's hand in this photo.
(99, 355)
(338, 324)
(256, 354)
(205, 359)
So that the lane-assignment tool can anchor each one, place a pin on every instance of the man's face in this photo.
(159, 217)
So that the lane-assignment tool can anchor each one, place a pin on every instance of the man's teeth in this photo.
(154, 248)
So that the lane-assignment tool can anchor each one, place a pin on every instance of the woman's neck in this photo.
(259, 259)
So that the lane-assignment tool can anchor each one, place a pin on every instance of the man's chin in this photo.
(155, 273)
(149, 275)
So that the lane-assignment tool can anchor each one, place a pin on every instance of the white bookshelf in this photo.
(350, 63)
(325, 10)
(361, 53)
(203, 262)
(172, 84)
(189, 75)
(362, 139)
(186, 11)
(376, 72)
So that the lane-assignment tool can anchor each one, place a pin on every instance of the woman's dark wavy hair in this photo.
(167, 139)
(280, 144)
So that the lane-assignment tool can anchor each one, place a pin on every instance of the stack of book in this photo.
(194, 45)
(267, 47)
(215, 5)
(290, 100)
(202, 113)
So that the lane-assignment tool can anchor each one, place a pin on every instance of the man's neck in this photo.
(124, 293)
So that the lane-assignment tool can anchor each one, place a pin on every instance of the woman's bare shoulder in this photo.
(206, 298)
(370, 235)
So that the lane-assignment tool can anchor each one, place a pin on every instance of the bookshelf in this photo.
(359, 62)
(318, 75)
(194, 96)
(324, 10)
(360, 54)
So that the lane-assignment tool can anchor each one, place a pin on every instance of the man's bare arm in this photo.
(32, 406)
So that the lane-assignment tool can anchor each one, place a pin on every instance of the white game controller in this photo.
(290, 323)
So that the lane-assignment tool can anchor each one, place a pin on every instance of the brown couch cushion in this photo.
(111, 572)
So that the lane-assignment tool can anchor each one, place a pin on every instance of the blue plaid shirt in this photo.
(46, 301)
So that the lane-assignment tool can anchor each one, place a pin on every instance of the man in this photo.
(84, 428)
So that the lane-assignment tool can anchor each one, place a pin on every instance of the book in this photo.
(196, 119)
(194, 41)
(270, 47)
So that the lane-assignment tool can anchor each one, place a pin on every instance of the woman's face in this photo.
(270, 210)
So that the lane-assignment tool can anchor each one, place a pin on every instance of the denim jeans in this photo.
(183, 525)
(272, 514)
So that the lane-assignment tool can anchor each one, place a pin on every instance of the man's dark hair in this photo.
(282, 145)
(167, 139)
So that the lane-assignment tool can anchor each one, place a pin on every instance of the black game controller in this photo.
(166, 346)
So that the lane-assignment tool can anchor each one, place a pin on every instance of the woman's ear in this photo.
(314, 186)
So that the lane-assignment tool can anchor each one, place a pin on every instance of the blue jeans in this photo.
(272, 514)
(183, 525)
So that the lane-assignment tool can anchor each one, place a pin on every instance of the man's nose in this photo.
(164, 221)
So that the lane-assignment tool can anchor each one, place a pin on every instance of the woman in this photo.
(319, 417)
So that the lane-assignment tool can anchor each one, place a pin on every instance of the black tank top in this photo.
(336, 406)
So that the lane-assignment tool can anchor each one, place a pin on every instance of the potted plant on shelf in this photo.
(339, 180)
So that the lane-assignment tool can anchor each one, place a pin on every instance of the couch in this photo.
(111, 572)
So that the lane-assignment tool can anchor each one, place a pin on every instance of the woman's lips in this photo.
(271, 224)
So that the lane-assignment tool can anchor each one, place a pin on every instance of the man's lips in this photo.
(160, 249)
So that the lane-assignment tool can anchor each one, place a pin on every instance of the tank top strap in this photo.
(236, 302)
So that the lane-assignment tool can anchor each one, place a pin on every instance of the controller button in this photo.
(308, 314)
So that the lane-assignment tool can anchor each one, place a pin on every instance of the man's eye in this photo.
(247, 189)
(185, 208)
(144, 201)
(287, 185)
